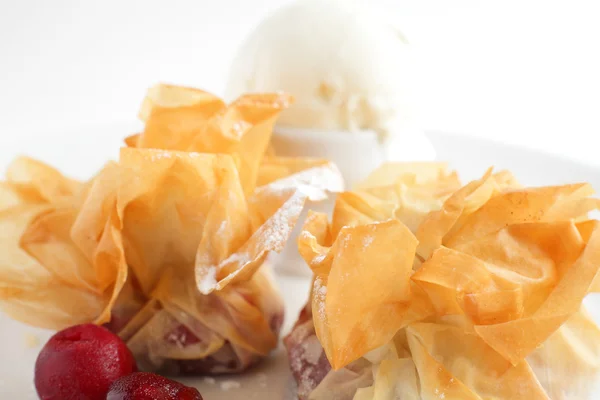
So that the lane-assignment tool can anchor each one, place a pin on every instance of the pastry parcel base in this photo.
(165, 246)
(426, 289)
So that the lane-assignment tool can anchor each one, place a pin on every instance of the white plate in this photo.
(271, 380)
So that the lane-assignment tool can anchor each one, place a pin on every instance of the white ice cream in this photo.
(347, 68)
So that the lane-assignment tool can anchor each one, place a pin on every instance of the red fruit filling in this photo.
(81, 362)
(308, 361)
(148, 386)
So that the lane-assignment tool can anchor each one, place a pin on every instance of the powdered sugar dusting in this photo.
(318, 259)
(278, 228)
(313, 182)
(345, 240)
(239, 128)
(228, 385)
(312, 350)
(319, 293)
(209, 381)
(440, 393)
(240, 258)
(272, 235)
(203, 258)
(209, 280)
(160, 154)
(306, 235)
(177, 338)
(222, 228)
(367, 240)
(323, 291)
(307, 359)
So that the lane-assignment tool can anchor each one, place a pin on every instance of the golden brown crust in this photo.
(167, 245)
(489, 276)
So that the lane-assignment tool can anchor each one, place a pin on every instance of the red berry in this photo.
(148, 386)
(81, 362)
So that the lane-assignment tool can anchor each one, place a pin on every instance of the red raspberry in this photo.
(148, 386)
(81, 362)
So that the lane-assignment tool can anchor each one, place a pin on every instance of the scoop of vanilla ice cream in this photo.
(346, 67)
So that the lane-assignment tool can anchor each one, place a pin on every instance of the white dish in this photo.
(272, 380)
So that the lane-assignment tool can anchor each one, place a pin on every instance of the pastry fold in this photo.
(167, 245)
(474, 292)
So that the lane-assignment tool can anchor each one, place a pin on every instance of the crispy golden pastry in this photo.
(474, 293)
(167, 245)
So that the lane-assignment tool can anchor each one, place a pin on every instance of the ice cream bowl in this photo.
(356, 153)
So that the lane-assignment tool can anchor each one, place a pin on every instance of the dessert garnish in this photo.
(81, 362)
(149, 386)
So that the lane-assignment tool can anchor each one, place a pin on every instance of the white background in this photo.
(517, 71)
(525, 72)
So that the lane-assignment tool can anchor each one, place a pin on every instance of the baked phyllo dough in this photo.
(167, 245)
(426, 289)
